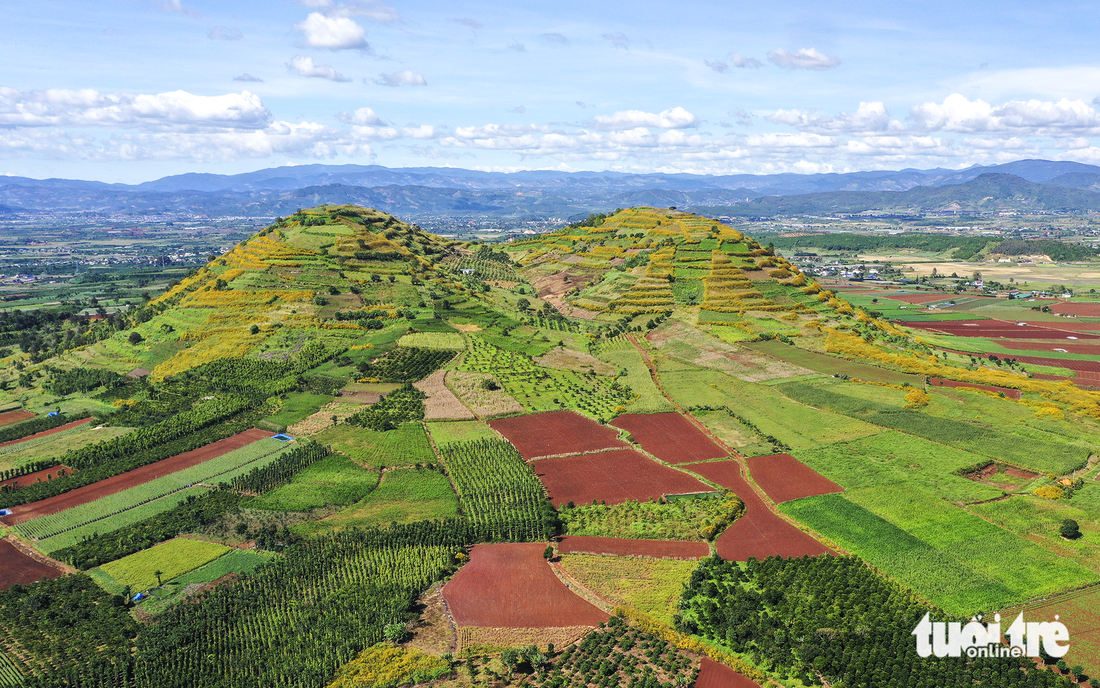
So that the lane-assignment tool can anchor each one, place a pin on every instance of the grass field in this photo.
(433, 340)
(406, 445)
(649, 585)
(177, 589)
(1038, 520)
(332, 481)
(679, 519)
(624, 356)
(1080, 612)
(831, 365)
(298, 406)
(453, 431)
(404, 495)
(171, 558)
(54, 446)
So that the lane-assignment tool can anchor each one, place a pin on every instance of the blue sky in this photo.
(131, 90)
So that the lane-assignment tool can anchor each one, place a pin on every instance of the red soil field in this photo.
(613, 476)
(60, 428)
(759, 533)
(9, 417)
(994, 329)
(783, 478)
(18, 568)
(138, 476)
(670, 437)
(1067, 347)
(617, 547)
(510, 585)
(1070, 324)
(1089, 310)
(557, 432)
(939, 382)
(715, 675)
(31, 478)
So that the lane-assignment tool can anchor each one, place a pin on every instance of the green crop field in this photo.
(405, 445)
(238, 561)
(404, 495)
(625, 357)
(54, 446)
(1039, 519)
(677, 519)
(831, 365)
(332, 481)
(433, 340)
(171, 558)
(446, 432)
(653, 586)
(298, 406)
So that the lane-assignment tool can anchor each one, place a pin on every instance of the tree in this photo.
(548, 553)
(510, 659)
(1070, 530)
(395, 632)
(255, 329)
(135, 338)
(158, 573)
(523, 304)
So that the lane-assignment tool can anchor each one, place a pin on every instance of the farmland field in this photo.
(405, 445)
(10, 417)
(1038, 520)
(715, 675)
(675, 519)
(511, 586)
(171, 558)
(652, 586)
(53, 444)
(612, 476)
(559, 432)
(18, 568)
(236, 561)
(831, 365)
(619, 547)
(333, 481)
(297, 407)
(433, 340)
(783, 478)
(1080, 612)
(670, 437)
(451, 432)
(403, 495)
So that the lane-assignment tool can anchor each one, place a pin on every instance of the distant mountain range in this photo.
(432, 195)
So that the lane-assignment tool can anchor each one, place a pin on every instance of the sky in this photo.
(134, 90)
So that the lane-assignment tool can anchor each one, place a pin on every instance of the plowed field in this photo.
(1088, 310)
(653, 549)
(759, 533)
(613, 476)
(994, 329)
(510, 585)
(558, 432)
(138, 476)
(18, 568)
(9, 417)
(1080, 612)
(32, 478)
(783, 478)
(939, 382)
(670, 437)
(715, 675)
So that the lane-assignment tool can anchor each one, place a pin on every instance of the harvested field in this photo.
(759, 533)
(783, 478)
(1010, 393)
(51, 431)
(9, 417)
(993, 329)
(37, 476)
(613, 477)
(440, 402)
(670, 437)
(715, 675)
(689, 344)
(367, 398)
(617, 547)
(1088, 310)
(323, 418)
(485, 403)
(138, 476)
(474, 638)
(568, 359)
(510, 585)
(557, 432)
(18, 568)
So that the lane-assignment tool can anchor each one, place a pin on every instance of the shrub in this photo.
(1069, 529)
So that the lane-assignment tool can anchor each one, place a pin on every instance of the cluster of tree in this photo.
(26, 428)
(405, 364)
(399, 406)
(831, 620)
(281, 470)
(964, 247)
(66, 382)
(1058, 251)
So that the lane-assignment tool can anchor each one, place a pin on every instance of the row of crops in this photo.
(224, 468)
(499, 491)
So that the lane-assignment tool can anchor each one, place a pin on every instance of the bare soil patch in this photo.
(485, 403)
(557, 432)
(37, 476)
(138, 476)
(618, 547)
(552, 288)
(367, 398)
(510, 585)
(670, 437)
(51, 431)
(579, 361)
(715, 675)
(433, 631)
(783, 478)
(1088, 310)
(613, 477)
(9, 417)
(18, 568)
(440, 402)
(323, 418)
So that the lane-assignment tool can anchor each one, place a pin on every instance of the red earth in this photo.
(940, 382)
(715, 675)
(18, 568)
(1089, 310)
(557, 432)
(9, 417)
(613, 477)
(670, 437)
(617, 547)
(783, 478)
(994, 329)
(60, 428)
(1066, 347)
(759, 533)
(510, 585)
(31, 478)
(138, 476)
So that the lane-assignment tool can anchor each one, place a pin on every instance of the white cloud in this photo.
(332, 33)
(221, 33)
(745, 62)
(374, 10)
(805, 58)
(717, 65)
(869, 117)
(177, 7)
(248, 77)
(364, 115)
(173, 110)
(304, 66)
(958, 113)
(405, 77)
(617, 40)
(673, 118)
